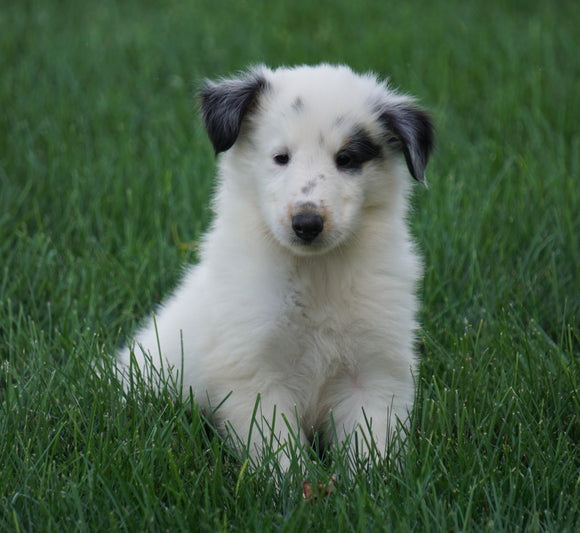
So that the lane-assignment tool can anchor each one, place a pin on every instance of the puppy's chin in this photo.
(308, 250)
(319, 246)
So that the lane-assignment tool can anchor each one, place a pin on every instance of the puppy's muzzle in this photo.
(307, 226)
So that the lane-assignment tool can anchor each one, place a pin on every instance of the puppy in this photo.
(302, 307)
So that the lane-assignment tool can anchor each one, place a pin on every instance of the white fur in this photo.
(313, 328)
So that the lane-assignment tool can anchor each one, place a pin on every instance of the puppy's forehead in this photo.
(332, 96)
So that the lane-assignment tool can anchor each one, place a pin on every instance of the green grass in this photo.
(105, 175)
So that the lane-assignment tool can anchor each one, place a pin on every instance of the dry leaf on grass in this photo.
(323, 489)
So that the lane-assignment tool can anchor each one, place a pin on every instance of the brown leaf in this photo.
(323, 489)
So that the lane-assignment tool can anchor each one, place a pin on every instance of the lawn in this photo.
(105, 177)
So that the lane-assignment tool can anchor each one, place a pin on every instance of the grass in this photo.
(105, 175)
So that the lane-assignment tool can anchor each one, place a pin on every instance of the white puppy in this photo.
(304, 296)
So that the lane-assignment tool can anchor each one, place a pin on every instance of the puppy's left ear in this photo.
(224, 105)
(413, 129)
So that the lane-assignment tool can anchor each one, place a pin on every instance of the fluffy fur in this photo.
(305, 290)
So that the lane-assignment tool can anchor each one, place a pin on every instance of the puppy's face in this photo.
(323, 145)
(317, 162)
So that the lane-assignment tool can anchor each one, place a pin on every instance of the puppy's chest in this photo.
(317, 324)
(312, 310)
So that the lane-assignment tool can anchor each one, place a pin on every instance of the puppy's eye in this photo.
(282, 159)
(344, 160)
(393, 141)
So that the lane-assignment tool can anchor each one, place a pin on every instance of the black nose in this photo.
(307, 226)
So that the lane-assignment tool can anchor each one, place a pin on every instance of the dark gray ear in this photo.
(224, 104)
(413, 129)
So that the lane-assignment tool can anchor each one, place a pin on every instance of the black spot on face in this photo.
(298, 105)
(358, 150)
(309, 187)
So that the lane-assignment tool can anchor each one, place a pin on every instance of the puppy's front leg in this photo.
(367, 415)
(267, 429)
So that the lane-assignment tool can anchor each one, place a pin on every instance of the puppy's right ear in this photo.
(224, 105)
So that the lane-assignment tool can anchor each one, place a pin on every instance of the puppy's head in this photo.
(322, 145)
